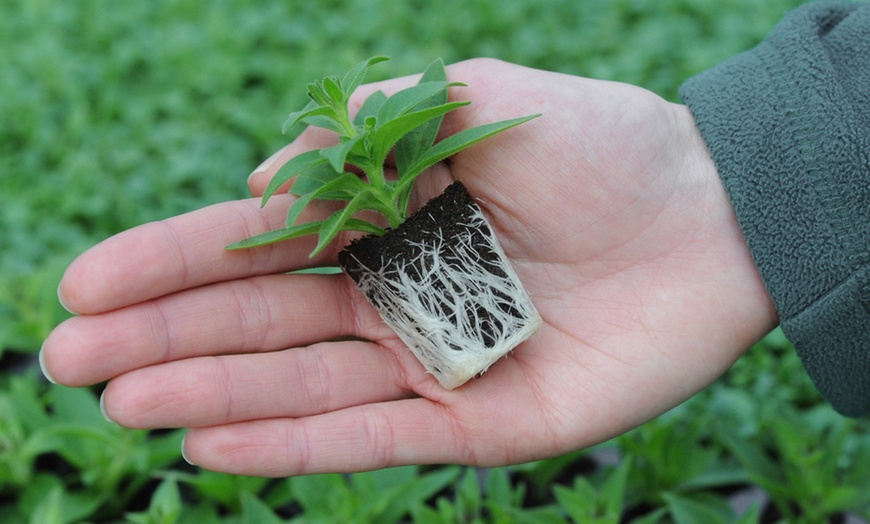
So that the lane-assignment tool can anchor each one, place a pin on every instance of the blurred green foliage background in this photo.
(117, 113)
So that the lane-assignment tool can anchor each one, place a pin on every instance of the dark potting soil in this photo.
(446, 220)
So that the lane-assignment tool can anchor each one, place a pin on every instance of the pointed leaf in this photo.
(255, 511)
(353, 78)
(347, 184)
(613, 491)
(408, 99)
(462, 140)
(329, 229)
(325, 121)
(389, 132)
(301, 230)
(363, 226)
(296, 165)
(337, 221)
(277, 235)
(318, 94)
(689, 510)
(296, 117)
(333, 90)
(444, 149)
(578, 503)
(313, 178)
(337, 154)
(296, 209)
(412, 145)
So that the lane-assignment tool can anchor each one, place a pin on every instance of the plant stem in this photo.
(394, 216)
(375, 174)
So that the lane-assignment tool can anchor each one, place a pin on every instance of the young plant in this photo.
(439, 278)
(408, 122)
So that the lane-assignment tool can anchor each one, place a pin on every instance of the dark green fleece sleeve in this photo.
(788, 126)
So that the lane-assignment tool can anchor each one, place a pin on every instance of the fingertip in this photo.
(259, 178)
(42, 365)
(257, 182)
(63, 301)
(184, 453)
(51, 362)
(103, 408)
(77, 281)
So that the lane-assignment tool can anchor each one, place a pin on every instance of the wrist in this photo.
(752, 311)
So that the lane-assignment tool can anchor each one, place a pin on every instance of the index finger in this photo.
(183, 252)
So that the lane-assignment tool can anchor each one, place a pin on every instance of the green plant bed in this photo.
(115, 117)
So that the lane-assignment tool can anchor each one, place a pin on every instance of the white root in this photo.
(457, 311)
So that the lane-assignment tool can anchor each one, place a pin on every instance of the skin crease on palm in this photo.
(611, 211)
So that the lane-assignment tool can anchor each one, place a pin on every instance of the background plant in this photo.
(111, 116)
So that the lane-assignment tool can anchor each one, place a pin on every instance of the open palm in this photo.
(611, 212)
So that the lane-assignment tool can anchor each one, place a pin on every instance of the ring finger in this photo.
(292, 383)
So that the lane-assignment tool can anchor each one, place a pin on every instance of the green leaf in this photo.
(296, 165)
(389, 132)
(337, 154)
(78, 407)
(49, 511)
(456, 143)
(347, 184)
(700, 508)
(309, 228)
(469, 498)
(333, 90)
(329, 122)
(165, 506)
(462, 140)
(370, 107)
(613, 491)
(653, 517)
(277, 235)
(318, 494)
(409, 98)
(337, 221)
(416, 491)
(166, 502)
(412, 145)
(310, 110)
(498, 487)
(318, 94)
(752, 456)
(255, 511)
(313, 178)
(446, 148)
(318, 270)
(353, 78)
(47, 493)
(579, 503)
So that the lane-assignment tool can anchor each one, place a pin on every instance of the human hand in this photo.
(615, 220)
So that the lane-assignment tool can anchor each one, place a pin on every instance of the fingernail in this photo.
(60, 299)
(42, 364)
(184, 453)
(266, 164)
(103, 407)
